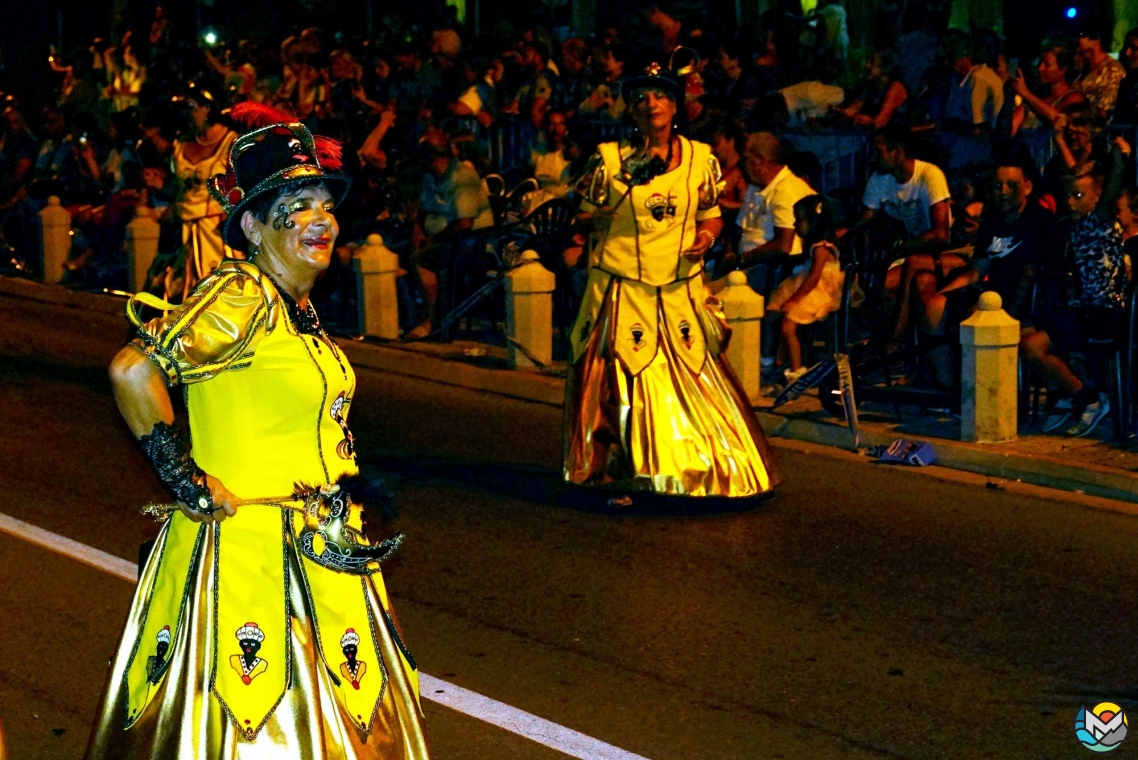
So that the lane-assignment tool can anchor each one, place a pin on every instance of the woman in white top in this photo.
(201, 153)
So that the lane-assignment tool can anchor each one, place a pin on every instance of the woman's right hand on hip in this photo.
(224, 501)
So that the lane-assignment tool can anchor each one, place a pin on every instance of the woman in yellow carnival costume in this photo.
(652, 404)
(261, 627)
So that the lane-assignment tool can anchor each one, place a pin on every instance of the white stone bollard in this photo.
(141, 247)
(56, 224)
(376, 268)
(529, 313)
(744, 309)
(988, 386)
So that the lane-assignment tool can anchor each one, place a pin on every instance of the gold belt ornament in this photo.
(326, 538)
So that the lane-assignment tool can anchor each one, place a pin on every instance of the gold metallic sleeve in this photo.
(710, 188)
(216, 329)
(594, 184)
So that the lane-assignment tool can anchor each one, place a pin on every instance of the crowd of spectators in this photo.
(1006, 173)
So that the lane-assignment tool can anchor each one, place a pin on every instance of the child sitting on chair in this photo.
(814, 289)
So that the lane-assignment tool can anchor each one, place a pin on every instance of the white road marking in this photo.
(88, 555)
(540, 730)
(544, 732)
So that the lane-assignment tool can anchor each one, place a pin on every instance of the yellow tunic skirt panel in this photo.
(651, 403)
(230, 622)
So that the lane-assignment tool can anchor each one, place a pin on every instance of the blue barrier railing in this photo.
(844, 156)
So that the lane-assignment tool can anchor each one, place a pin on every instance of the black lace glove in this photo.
(170, 456)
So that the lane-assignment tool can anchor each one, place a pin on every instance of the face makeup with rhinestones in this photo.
(298, 230)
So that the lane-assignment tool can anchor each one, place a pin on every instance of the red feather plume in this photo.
(329, 153)
(251, 115)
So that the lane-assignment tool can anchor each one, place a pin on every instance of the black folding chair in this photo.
(552, 226)
(545, 230)
(496, 187)
(868, 252)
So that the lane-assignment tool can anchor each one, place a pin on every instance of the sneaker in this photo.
(1058, 416)
(1090, 417)
(792, 375)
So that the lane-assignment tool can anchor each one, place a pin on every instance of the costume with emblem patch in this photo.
(233, 642)
(232, 624)
(652, 404)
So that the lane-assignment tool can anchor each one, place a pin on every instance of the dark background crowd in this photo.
(956, 136)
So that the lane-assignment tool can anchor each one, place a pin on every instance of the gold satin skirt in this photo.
(184, 720)
(666, 430)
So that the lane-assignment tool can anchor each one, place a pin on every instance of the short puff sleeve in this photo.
(710, 188)
(594, 185)
(216, 329)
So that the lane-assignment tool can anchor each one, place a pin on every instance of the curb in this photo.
(981, 459)
(60, 295)
(527, 386)
(1040, 470)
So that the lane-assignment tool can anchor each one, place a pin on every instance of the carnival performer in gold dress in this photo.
(652, 403)
(257, 588)
(200, 154)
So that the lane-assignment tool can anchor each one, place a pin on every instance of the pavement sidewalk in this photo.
(1089, 465)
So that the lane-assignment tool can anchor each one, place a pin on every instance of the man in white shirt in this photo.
(915, 193)
(912, 191)
(766, 217)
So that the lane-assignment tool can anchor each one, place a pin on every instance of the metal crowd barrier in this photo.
(844, 155)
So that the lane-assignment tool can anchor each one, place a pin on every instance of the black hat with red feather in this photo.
(274, 152)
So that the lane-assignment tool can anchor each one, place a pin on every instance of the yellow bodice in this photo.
(268, 409)
(275, 409)
(281, 420)
(641, 257)
(653, 223)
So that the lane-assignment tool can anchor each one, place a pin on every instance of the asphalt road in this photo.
(864, 612)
